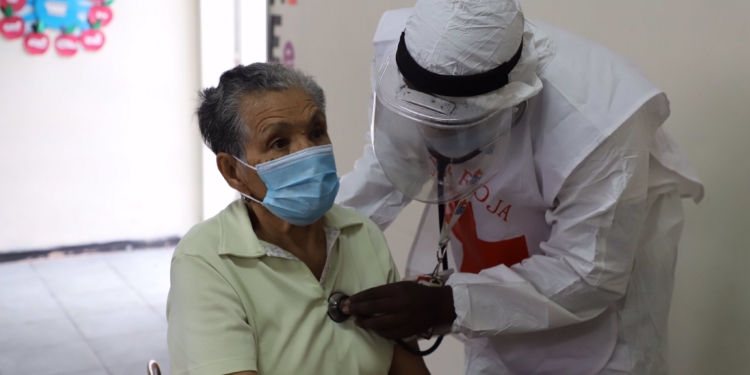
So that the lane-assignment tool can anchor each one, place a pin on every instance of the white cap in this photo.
(467, 37)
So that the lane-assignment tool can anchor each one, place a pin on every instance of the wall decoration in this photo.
(36, 43)
(79, 23)
(11, 26)
(100, 13)
(92, 39)
(66, 43)
(16, 5)
(285, 32)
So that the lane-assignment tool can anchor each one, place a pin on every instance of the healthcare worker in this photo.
(563, 188)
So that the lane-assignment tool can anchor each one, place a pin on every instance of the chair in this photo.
(153, 368)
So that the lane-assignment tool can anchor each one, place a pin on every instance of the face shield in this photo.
(437, 149)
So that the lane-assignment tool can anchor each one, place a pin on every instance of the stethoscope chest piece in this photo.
(335, 303)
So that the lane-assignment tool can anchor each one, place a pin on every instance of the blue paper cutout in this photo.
(60, 14)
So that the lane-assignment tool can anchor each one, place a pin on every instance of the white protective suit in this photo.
(571, 250)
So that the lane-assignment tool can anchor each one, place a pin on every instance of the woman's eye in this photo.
(317, 133)
(279, 144)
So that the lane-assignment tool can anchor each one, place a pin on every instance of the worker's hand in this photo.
(402, 309)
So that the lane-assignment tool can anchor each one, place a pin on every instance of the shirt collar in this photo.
(332, 234)
(237, 237)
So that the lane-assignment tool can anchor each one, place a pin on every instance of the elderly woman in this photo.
(250, 285)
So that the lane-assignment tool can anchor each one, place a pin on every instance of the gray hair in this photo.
(221, 125)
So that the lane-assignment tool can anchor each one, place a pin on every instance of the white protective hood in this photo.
(465, 37)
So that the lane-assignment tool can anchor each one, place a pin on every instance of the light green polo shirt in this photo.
(239, 304)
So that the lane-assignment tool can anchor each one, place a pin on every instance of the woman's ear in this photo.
(228, 166)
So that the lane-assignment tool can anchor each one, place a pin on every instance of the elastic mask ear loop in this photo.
(247, 197)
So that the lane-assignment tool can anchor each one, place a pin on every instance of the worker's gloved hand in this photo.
(402, 309)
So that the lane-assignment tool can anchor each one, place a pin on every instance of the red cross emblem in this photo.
(479, 254)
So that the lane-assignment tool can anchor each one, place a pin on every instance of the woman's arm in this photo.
(405, 363)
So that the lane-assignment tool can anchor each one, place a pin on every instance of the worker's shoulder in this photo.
(391, 25)
(602, 85)
(575, 56)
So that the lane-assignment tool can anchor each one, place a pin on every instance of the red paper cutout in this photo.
(92, 39)
(66, 45)
(100, 13)
(17, 5)
(36, 43)
(12, 27)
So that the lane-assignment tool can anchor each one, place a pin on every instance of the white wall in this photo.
(103, 146)
(697, 51)
(232, 32)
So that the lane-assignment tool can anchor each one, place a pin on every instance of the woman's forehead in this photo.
(291, 106)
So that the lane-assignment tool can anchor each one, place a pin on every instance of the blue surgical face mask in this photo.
(301, 186)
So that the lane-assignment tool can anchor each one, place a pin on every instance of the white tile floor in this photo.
(101, 314)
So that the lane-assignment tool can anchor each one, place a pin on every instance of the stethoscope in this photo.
(335, 304)
(336, 299)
